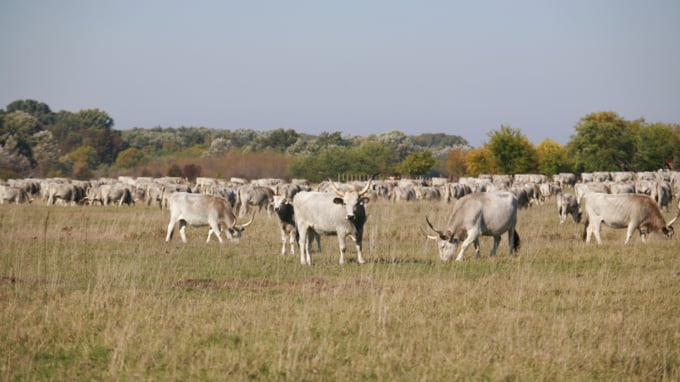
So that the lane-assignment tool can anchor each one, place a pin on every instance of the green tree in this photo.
(456, 164)
(480, 161)
(603, 142)
(553, 158)
(276, 140)
(512, 151)
(130, 158)
(21, 126)
(38, 110)
(416, 164)
(656, 145)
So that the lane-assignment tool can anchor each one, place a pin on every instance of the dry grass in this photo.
(94, 293)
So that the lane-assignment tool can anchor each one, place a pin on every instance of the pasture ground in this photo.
(95, 293)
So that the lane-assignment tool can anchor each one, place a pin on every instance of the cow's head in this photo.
(447, 242)
(279, 201)
(235, 231)
(351, 200)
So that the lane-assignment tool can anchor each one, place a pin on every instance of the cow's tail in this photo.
(516, 242)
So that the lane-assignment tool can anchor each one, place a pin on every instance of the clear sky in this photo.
(356, 66)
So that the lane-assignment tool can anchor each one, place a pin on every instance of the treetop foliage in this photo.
(36, 141)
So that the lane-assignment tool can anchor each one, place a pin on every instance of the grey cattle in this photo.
(106, 194)
(475, 215)
(567, 205)
(630, 211)
(203, 210)
(253, 196)
(283, 207)
(340, 214)
(15, 195)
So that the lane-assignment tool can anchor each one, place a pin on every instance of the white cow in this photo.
(15, 195)
(630, 211)
(200, 210)
(342, 214)
(475, 215)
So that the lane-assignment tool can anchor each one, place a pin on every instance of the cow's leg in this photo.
(284, 241)
(511, 240)
(215, 228)
(496, 242)
(343, 248)
(292, 235)
(171, 228)
(595, 227)
(472, 237)
(305, 258)
(360, 255)
(478, 252)
(182, 230)
(629, 233)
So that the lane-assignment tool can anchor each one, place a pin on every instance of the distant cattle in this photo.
(342, 214)
(630, 211)
(203, 210)
(249, 196)
(14, 195)
(567, 205)
(475, 215)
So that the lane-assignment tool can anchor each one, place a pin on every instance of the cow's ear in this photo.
(338, 201)
(448, 235)
(364, 200)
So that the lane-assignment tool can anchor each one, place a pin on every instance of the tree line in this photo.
(37, 142)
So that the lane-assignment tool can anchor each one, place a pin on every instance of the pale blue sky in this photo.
(359, 67)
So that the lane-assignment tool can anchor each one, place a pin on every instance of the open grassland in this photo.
(95, 293)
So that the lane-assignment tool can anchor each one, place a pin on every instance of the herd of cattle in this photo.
(483, 206)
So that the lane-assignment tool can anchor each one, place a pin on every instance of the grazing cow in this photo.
(64, 192)
(478, 214)
(567, 205)
(110, 193)
(324, 213)
(200, 210)
(283, 207)
(631, 211)
(15, 195)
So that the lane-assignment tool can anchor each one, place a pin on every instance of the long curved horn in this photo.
(249, 222)
(338, 192)
(440, 233)
(366, 188)
(670, 223)
(431, 237)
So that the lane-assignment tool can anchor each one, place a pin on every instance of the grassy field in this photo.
(95, 293)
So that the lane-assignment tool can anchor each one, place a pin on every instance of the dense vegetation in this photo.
(37, 142)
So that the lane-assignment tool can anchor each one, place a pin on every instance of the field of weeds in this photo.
(95, 293)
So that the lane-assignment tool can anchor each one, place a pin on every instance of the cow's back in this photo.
(317, 210)
(497, 210)
(618, 210)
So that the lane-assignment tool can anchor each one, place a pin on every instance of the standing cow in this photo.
(567, 205)
(475, 215)
(631, 211)
(200, 210)
(342, 214)
(283, 207)
(15, 195)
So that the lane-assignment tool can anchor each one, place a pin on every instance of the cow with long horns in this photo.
(203, 210)
(630, 211)
(474, 215)
(340, 213)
